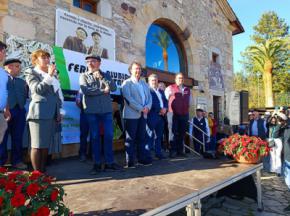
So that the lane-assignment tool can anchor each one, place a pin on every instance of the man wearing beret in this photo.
(17, 95)
(96, 49)
(4, 112)
(96, 87)
(75, 43)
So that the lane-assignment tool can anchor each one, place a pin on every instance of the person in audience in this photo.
(155, 116)
(258, 126)
(165, 140)
(137, 104)
(213, 131)
(17, 95)
(44, 108)
(275, 142)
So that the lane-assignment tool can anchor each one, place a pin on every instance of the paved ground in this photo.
(275, 194)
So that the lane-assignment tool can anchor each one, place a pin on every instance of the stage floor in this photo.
(152, 190)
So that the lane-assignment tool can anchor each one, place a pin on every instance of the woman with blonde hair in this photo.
(44, 108)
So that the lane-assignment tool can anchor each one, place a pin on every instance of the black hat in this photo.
(91, 56)
(2, 45)
(96, 33)
(10, 61)
(199, 110)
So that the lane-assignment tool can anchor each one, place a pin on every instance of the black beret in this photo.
(93, 57)
(199, 110)
(10, 61)
(2, 45)
(96, 33)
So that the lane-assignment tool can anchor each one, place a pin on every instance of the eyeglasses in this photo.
(91, 61)
(126, 7)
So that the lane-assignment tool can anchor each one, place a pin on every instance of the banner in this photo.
(71, 64)
(84, 36)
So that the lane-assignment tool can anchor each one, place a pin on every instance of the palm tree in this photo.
(265, 58)
(162, 39)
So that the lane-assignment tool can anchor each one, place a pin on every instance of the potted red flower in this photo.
(31, 194)
(244, 149)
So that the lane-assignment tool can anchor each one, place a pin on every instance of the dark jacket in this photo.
(94, 98)
(261, 130)
(286, 141)
(153, 115)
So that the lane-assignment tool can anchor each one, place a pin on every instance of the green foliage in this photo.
(269, 26)
(272, 43)
(162, 39)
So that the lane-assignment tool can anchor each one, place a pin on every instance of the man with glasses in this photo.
(96, 87)
(4, 111)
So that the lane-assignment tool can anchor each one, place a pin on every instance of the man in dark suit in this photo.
(17, 95)
(155, 121)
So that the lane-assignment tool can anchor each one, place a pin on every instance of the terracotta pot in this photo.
(242, 159)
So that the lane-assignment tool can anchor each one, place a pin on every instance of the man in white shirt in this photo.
(4, 111)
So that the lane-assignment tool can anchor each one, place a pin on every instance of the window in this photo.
(215, 58)
(87, 5)
(163, 51)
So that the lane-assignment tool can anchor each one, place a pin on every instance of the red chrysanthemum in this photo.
(10, 186)
(32, 189)
(53, 195)
(18, 200)
(42, 211)
(3, 170)
(35, 175)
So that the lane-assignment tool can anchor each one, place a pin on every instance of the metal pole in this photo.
(189, 210)
(197, 208)
(259, 190)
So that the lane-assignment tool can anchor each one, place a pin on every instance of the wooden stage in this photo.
(160, 189)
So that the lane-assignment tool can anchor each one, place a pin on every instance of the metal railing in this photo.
(193, 137)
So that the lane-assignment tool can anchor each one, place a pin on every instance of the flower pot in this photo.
(243, 159)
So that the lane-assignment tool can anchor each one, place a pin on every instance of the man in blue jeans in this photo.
(96, 87)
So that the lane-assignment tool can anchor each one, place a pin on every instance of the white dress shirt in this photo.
(159, 97)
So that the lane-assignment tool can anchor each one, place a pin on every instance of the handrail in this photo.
(194, 125)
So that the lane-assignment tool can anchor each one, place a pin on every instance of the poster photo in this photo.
(81, 35)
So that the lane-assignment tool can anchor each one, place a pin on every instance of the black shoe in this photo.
(287, 209)
(83, 158)
(96, 169)
(145, 163)
(130, 165)
(112, 166)
(181, 154)
(160, 157)
(172, 154)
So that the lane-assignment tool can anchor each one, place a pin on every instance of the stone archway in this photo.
(154, 12)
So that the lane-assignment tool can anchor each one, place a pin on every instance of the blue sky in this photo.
(249, 13)
(154, 53)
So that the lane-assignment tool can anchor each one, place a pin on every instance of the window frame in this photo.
(94, 4)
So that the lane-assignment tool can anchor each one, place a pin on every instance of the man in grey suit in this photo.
(96, 87)
(138, 102)
(17, 95)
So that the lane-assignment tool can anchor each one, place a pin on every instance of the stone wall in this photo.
(210, 30)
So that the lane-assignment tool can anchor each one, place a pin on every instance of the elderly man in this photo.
(258, 126)
(4, 111)
(17, 95)
(96, 87)
(179, 100)
(75, 43)
(155, 121)
(137, 103)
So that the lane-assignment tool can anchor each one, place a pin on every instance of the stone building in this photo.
(201, 31)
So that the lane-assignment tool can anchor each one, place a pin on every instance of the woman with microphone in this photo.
(45, 106)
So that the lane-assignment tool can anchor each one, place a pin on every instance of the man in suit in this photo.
(179, 100)
(17, 95)
(4, 113)
(155, 121)
(137, 103)
(96, 87)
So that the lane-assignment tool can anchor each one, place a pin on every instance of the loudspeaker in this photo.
(244, 106)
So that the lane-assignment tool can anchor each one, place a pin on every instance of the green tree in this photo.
(270, 55)
(162, 39)
(269, 26)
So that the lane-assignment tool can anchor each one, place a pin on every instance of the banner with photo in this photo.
(71, 64)
(84, 36)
